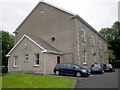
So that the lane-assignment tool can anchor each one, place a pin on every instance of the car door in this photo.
(62, 69)
(69, 69)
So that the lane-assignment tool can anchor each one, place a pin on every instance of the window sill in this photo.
(26, 61)
(85, 64)
(36, 66)
(15, 66)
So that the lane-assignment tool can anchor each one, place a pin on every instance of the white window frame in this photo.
(85, 57)
(26, 57)
(100, 45)
(35, 59)
(105, 47)
(93, 40)
(83, 35)
(15, 61)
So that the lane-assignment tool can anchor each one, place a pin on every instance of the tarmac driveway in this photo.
(106, 80)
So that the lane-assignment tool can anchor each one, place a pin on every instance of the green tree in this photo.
(7, 42)
(111, 56)
(113, 38)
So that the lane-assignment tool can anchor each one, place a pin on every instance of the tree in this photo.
(111, 56)
(113, 38)
(7, 41)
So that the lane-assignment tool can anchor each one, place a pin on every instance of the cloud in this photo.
(98, 13)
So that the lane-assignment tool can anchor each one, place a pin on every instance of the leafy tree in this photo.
(7, 41)
(113, 37)
(111, 56)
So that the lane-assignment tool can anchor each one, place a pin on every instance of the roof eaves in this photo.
(53, 52)
(21, 40)
(89, 26)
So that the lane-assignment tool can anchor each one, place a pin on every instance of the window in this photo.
(84, 56)
(15, 61)
(83, 35)
(93, 41)
(36, 62)
(68, 65)
(53, 40)
(41, 11)
(105, 47)
(26, 57)
(100, 45)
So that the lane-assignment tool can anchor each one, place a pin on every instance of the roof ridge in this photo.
(57, 7)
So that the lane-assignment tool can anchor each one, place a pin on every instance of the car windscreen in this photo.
(109, 65)
(96, 65)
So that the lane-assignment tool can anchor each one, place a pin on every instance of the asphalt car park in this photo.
(106, 80)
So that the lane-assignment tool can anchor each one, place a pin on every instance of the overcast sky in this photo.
(98, 13)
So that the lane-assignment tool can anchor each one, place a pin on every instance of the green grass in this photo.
(0, 83)
(35, 81)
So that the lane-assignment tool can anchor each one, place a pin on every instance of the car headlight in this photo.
(84, 70)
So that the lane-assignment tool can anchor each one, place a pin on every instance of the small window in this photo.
(93, 40)
(36, 61)
(53, 40)
(26, 57)
(100, 45)
(105, 47)
(83, 35)
(84, 56)
(42, 11)
(15, 61)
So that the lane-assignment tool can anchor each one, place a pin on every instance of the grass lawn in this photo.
(35, 81)
(0, 83)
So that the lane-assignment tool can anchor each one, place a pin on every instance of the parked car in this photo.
(108, 67)
(70, 69)
(97, 68)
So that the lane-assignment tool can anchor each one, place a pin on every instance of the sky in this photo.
(98, 13)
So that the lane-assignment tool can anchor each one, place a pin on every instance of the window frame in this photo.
(93, 40)
(26, 56)
(100, 44)
(83, 34)
(35, 59)
(15, 64)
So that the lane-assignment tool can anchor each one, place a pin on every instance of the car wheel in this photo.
(78, 74)
(57, 72)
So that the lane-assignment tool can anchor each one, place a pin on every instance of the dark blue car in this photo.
(96, 68)
(70, 69)
(108, 67)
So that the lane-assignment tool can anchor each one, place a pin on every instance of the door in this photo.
(69, 69)
(58, 59)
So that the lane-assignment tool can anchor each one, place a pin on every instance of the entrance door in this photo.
(58, 60)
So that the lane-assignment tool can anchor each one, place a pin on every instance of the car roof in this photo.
(66, 63)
